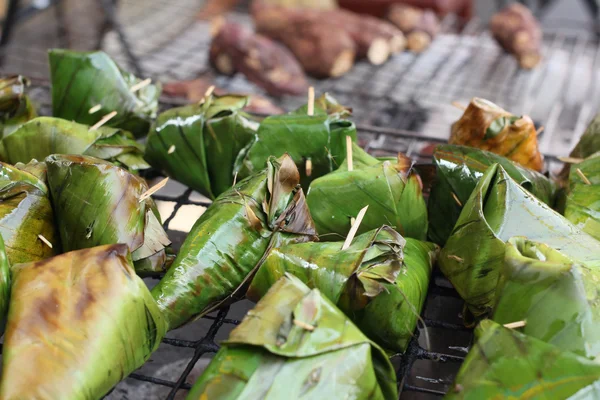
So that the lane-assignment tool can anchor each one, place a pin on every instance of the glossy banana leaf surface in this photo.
(78, 323)
(229, 241)
(43, 136)
(4, 285)
(26, 213)
(497, 210)
(556, 296)
(391, 189)
(84, 80)
(582, 206)
(202, 145)
(320, 138)
(458, 169)
(589, 143)
(380, 281)
(506, 364)
(15, 105)
(98, 203)
(486, 126)
(295, 344)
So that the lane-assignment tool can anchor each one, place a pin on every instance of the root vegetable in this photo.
(419, 26)
(519, 33)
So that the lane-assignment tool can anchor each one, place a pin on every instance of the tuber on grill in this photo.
(419, 26)
(519, 33)
(271, 66)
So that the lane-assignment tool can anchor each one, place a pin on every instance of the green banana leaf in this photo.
(320, 138)
(380, 281)
(26, 212)
(295, 344)
(202, 145)
(582, 206)
(391, 189)
(4, 285)
(458, 169)
(78, 323)
(15, 105)
(83, 80)
(589, 143)
(43, 136)
(97, 203)
(229, 241)
(556, 296)
(506, 364)
(497, 210)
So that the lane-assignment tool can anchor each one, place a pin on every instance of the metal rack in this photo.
(401, 106)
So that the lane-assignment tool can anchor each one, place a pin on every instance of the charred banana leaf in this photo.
(202, 145)
(78, 324)
(15, 106)
(4, 285)
(506, 364)
(556, 296)
(391, 189)
(88, 86)
(497, 210)
(488, 127)
(458, 169)
(316, 143)
(380, 281)
(98, 203)
(220, 255)
(296, 344)
(43, 136)
(582, 205)
(26, 213)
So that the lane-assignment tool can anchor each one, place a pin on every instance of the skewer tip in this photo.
(349, 153)
(311, 101)
(583, 177)
(153, 189)
(46, 241)
(354, 228)
(517, 324)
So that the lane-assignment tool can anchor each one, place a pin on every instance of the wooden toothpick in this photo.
(234, 178)
(46, 241)
(95, 109)
(209, 91)
(354, 228)
(171, 149)
(153, 189)
(308, 167)
(570, 160)
(458, 105)
(103, 120)
(352, 221)
(517, 324)
(349, 153)
(304, 325)
(583, 177)
(140, 85)
(311, 101)
(455, 197)
(540, 130)
(455, 257)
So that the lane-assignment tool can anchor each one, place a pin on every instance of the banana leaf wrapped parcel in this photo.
(202, 145)
(506, 364)
(391, 189)
(556, 296)
(86, 86)
(98, 203)
(458, 169)
(497, 210)
(26, 213)
(15, 105)
(316, 143)
(380, 281)
(44, 136)
(488, 127)
(231, 238)
(582, 205)
(296, 344)
(78, 323)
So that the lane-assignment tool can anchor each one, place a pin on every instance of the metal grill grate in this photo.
(402, 106)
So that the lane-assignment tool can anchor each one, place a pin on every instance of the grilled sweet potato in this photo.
(519, 33)
(268, 64)
(419, 26)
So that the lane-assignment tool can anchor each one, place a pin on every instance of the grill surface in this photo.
(402, 106)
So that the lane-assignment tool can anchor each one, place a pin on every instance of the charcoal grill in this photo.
(401, 106)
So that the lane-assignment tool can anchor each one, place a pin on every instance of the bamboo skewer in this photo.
(46, 241)
(103, 120)
(583, 177)
(304, 325)
(456, 199)
(517, 324)
(95, 109)
(171, 149)
(234, 178)
(140, 85)
(354, 228)
(349, 153)
(311, 101)
(570, 160)
(458, 105)
(308, 167)
(153, 189)
(539, 130)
